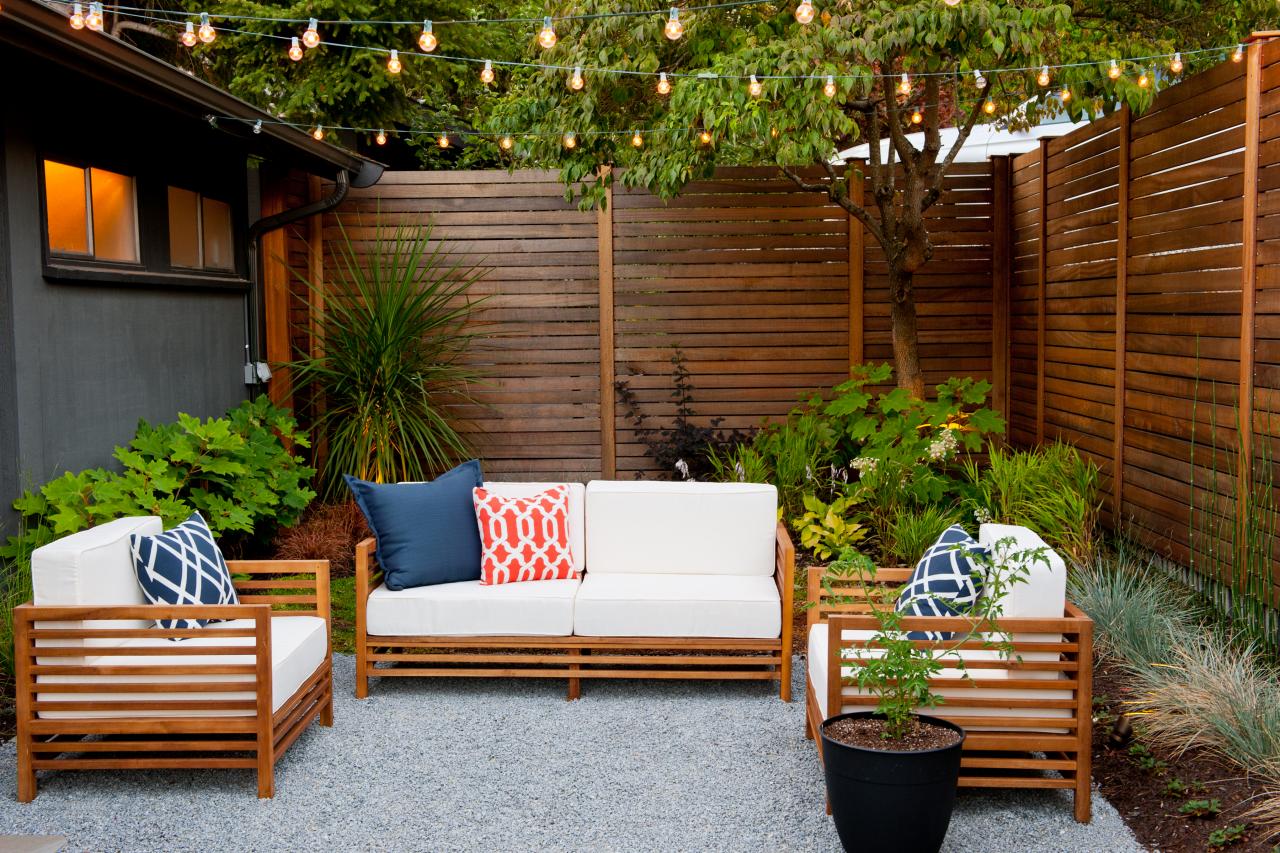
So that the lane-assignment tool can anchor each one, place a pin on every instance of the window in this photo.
(200, 232)
(90, 213)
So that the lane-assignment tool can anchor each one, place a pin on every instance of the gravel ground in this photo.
(463, 765)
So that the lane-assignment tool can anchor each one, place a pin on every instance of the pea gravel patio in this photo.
(508, 765)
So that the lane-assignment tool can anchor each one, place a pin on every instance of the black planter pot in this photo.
(891, 801)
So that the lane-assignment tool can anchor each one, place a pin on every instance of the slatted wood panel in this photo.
(749, 277)
(1024, 289)
(539, 412)
(953, 290)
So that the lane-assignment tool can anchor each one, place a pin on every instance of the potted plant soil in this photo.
(891, 773)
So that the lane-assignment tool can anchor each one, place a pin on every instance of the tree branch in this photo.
(940, 170)
(841, 198)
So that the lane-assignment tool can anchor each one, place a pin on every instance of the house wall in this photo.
(80, 363)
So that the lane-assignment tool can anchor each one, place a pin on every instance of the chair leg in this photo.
(1084, 798)
(362, 672)
(784, 678)
(27, 788)
(266, 760)
(326, 710)
(808, 726)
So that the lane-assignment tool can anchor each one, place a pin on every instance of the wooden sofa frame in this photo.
(575, 658)
(1005, 754)
(255, 740)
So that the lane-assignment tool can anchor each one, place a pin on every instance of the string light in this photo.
(636, 139)
(1143, 80)
(575, 81)
(486, 73)
(206, 32)
(829, 88)
(570, 140)
(804, 12)
(1239, 53)
(979, 79)
(295, 49)
(773, 133)
(1043, 77)
(1175, 64)
(674, 29)
(904, 86)
(705, 137)
(547, 35)
(754, 87)
(311, 37)
(188, 37)
(393, 62)
(427, 40)
(257, 126)
(664, 85)
(77, 17)
(94, 19)
(917, 117)
(318, 133)
(1065, 94)
(506, 142)
(443, 140)
(381, 138)
(989, 107)
(1114, 71)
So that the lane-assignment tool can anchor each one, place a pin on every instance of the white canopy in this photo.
(983, 142)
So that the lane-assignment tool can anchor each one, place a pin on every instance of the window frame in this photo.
(151, 231)
(201, 197)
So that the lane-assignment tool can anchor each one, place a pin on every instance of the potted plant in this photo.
(891, 773)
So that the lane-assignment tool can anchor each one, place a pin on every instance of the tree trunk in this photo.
(906, 333)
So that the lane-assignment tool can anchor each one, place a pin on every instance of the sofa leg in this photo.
(362, 673)
(26, 775)
(784, 679)
(575, 684)
(1084, 800)
(326, 710)
(808, 726)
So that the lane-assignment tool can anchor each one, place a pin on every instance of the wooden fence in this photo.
(766, 289)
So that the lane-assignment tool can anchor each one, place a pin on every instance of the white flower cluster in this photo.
(982, 516)
(683, 468)
(943, 446)
(864, 465)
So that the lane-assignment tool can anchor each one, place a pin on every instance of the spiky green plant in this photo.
(910, 532)
(395, 335)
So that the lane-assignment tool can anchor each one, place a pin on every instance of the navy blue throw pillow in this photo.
(427, 532)
(945, 583)
(182, 566)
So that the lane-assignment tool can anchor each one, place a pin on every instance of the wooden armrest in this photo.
(784, 575)
(368, 572)
(289, 587)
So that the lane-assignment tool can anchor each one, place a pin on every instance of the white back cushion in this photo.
(1044, 592)
(651, 527)
(577, 519)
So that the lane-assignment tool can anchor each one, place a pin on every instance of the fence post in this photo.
(857, 269)
(1121, 315)
(604, 248)
(1248, 285)
(1001, 269)
(275, 292)
(1042, 286)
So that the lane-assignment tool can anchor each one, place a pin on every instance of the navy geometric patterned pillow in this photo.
(946, 581)
(182, 566)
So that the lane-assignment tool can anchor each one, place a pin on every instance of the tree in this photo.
(863, 47)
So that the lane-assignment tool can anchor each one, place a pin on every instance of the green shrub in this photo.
(236, 470)
(828, 529)
(15, 589)
(910, 532)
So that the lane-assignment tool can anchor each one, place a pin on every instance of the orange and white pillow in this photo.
(523, 539)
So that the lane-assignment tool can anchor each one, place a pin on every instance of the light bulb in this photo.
(773, 132)
(905, 85)
(570, 140)
(188, 37)
(1175, 64)
(979, 80)
(443, 140)
(952, 2)
(547, 35)
(393, 62)
(754, 87)
(486, 73)
(427, 41)
(804, 12)
(705, 137)
(636, 139)
(664, 85)
(830, 88)
(257, 126)
(206, 32)
(94, 19)
(917, 117)
(1065, 94)
(77, 17)
(1043, 77)
(989, 107)
(381, 138)
(295, 49)
(1239, 53)
(1143, 80)
(506, 142)
(674, 29)
(575, 81)
(318, 133)
(311, 37)
(1114, 71)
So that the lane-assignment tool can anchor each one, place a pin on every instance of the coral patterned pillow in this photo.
(524, 539)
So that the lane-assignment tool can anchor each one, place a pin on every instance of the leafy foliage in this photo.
(826, 529)
(237, 471)
(395, 336)
(911, 531)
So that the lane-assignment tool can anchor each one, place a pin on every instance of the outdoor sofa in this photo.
(92, 663)
(1026, 705)
(675, 580)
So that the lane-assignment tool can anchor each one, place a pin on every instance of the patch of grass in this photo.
(342, 605)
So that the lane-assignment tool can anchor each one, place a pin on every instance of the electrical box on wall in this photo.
(256, 373)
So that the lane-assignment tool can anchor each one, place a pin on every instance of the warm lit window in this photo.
(200, 232)
(90, 213)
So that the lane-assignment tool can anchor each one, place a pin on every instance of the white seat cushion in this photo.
(653, 527)
(532, 608)
(659, 605)
(577, 511)
(298, 646)
(817, 664)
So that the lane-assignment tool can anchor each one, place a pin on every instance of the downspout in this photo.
(255, 301)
